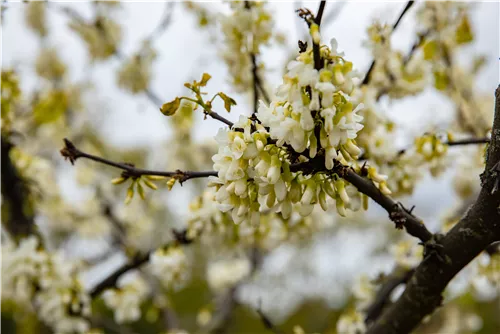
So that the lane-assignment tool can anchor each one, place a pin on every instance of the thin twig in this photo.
(316, 48)
(333, 13)
(459, 142)
(111, 280)
(72, 153)
(165, 21)
(266, 321)
(218, 117)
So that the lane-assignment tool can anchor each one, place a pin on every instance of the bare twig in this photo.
(111, 280)
(165, 21)
(459, 142)
(71, 153)
(334, 12)
(257, 85)
(267, 322)
(218, 117)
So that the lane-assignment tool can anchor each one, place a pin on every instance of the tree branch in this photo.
(111, 280)
(257, 85)
(71, 153)
(138, 261)
(479, 228)
(460, 142)
(397, 213)
(382, 298)
(218, 117)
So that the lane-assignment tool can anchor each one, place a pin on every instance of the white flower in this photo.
(351, 322)
(127, 298)
(225, 274)
(408, 254)
(59, 297)
(170, 266)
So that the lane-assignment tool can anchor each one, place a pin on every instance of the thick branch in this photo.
(72, 153)
(478, 229)
(19, 217)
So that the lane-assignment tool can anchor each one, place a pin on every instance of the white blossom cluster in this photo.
(314, 110)
(443, 18)
(170, 265)
(35, 278)
(393, 73)
(225, 274)
(351, 322)
(313, 114)
(208, 225)
(245, 29)
(126, 299)
(407, 253)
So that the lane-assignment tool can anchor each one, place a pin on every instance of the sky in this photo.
(185, 52)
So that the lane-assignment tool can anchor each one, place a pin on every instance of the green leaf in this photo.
(430, 49)
(441, 80)
(228, 102)
(204, 79)
(463, 34)
(169, 108)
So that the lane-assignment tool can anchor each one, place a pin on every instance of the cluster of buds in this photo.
(49, 65)
(170, 265)
(135, 74)
(35, 16)
(246, 29)
(126, 299)
(392, 72)
(11, 94)
(430, 151)
(313, 110)
(102, 36)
